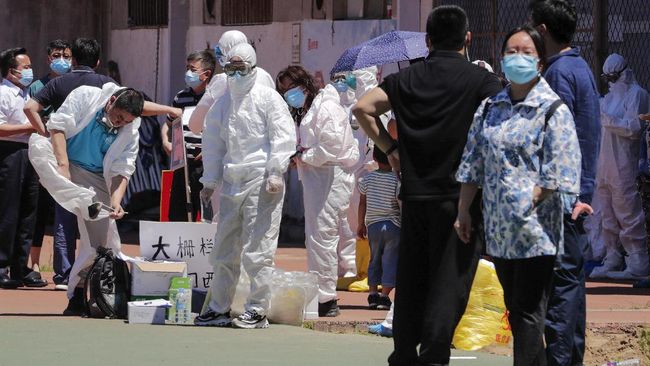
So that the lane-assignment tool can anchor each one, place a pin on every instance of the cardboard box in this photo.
(154, 278)
(144, 314)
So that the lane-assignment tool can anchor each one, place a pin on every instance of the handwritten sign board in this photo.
(189, 242)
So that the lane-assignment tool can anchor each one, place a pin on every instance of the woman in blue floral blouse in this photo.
(523, 151)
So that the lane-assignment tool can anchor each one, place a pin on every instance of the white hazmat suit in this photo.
(325, 171)
(216, 89)
(72, 117)
(248, 141)
(366, 81)
(616, 193)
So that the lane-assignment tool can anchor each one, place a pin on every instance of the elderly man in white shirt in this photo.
(18, 181)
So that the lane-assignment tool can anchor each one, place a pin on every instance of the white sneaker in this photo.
(61, 287)
(250, 319)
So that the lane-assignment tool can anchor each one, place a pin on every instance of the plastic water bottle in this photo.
(181, 306)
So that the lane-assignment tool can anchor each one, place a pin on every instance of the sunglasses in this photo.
(240, 67)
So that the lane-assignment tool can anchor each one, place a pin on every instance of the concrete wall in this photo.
(33, 24)
(322, 42)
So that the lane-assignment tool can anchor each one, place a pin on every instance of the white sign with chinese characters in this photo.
(189, 242)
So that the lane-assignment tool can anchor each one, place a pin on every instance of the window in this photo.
(362, 9)
(148, 13)
(246, 12)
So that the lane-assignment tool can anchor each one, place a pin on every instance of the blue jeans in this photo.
(384, 248)
(65, 243)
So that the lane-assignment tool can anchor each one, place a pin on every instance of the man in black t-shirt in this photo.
(434, 102)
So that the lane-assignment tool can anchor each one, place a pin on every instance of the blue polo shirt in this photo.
(570, 77)
(88, 148)
(54, 92)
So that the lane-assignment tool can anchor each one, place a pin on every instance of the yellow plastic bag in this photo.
(485, 320)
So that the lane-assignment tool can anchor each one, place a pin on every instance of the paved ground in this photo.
(32, 317)
(112, 342)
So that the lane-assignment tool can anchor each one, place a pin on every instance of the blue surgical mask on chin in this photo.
(60, 66)
(192, 79)
(520, 69)
(295, 97)
(340, 86)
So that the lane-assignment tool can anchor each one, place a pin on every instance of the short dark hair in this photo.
(301, 77)
(559, 16)
(207, 58)
(86, 52)
(57, 44)
(8, 59)
(537, 38)
(379, 156)
(130, 101)
(447, 26)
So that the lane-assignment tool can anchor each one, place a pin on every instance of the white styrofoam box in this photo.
(139, 314)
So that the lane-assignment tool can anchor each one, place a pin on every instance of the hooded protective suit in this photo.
(366, 81)
(325, 171)
(618, 199)
(248, 141)
(72, 117)
(218, 84)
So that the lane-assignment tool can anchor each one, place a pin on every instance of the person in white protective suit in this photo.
(618, 198)
(327, 151)
(351, 87)
(218, 85)
(248, 141)
(88, 159)
(217, 88)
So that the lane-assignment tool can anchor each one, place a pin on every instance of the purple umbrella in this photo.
(390, 47)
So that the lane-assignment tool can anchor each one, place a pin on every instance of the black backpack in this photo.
(108, 286)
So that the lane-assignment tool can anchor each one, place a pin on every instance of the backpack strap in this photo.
(550, 112)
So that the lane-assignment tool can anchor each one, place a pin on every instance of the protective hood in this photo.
(230, 39)
(617, 63)
(241, 85)
(366, 80)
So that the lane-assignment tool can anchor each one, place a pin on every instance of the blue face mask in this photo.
(60, 66)
(351, 80)
(27, 76)
(192, 79)
(520, 69)
(340, 86)
(295, 97)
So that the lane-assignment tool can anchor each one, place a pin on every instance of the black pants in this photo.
(18, 203)
(177, 201)
(567, 311)
(434, 276)
(526, 286)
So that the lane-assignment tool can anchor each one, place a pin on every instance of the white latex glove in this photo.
(274, 184)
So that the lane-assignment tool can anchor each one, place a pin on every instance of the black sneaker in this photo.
(384, 303)
(213, 319)
(328, 309)
(76, 306)
(373, 301)
(250, 319)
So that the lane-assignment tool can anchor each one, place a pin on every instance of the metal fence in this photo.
(604, 27)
